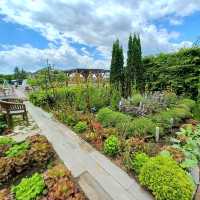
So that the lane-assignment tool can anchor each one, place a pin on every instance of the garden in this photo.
(30, 169)
(145, 119)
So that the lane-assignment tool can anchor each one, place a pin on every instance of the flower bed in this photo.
(31, 170)
(130, 142)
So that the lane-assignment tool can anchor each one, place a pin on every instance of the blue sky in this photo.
(80, 33)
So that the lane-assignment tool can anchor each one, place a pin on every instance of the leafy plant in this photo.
(40, 151)
(59, 184)
(190, 146)
(6, 169)
(29, 188)
(80, 127)
(188, 102)
(136, 99)
(109, 118)
(137, 161)
(111, 145)
(166, 179)
(5, 194)
(4, 140)
(141, 127)
(17, 149)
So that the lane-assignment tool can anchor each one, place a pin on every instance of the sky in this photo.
(80, 33)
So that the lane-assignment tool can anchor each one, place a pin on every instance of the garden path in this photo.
(99, 178)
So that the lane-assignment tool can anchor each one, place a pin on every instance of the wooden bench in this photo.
(12, 106)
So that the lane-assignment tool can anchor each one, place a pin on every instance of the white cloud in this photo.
(95, 23)
(33, 59)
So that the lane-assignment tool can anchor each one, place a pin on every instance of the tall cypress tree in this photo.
(138, 65)
(112, 66)
(117, 62)
(129, 72)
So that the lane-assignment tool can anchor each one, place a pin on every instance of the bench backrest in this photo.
(12, 106)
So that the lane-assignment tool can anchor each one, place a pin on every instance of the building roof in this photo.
(86, 70)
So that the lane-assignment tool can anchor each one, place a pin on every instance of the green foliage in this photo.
(196, 112)
(141, 127)
(116, 68)
(136, 99)
(17, 149)
(6, 140)
(78, 97)
(80, 127)
(109, 118)
(170, 98)
(111, 145)
(169, 117)
(138, 160)
(191, 147)
(115, 98)
(191, 104)
(29, 188)
(134, 70)
(166, 179)
(178, 71)
(39, 98)
(70, 120)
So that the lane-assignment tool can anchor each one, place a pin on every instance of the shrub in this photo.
(196, 111)
(136, 99)
(163, 119)
(70, 120)
(6, 140)
(166, 179)
(80, 127)
(188, 102)
(110, 118)
(17, 149)
(91, 136)
(29, 188)
(111, 145)
(180, 113)
(38, 98)
(170, 98)
(138, 160)
(114, 99)
(140, 127)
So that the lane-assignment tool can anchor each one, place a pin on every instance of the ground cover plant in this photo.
(31, 170)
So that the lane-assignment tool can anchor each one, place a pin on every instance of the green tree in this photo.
(117, 63)
(139, 68)
(130, 69)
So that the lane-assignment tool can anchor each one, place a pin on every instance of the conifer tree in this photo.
(138, 65)
(117, 62)
(129, 72)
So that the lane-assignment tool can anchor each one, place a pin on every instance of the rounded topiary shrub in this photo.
(166, 179)
(80, 127)
(111, 145)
